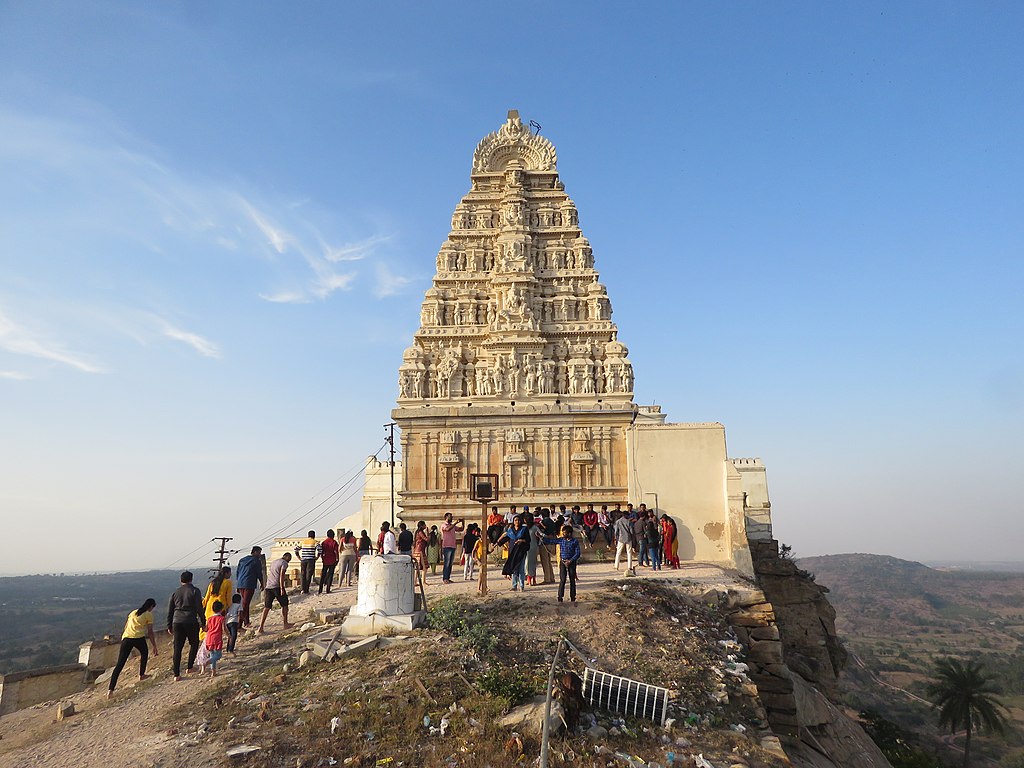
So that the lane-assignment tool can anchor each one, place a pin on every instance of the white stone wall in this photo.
(376, 504)
(386, 585)
(757, 505)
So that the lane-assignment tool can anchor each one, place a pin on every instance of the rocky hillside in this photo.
(897, 617)
(463, 693)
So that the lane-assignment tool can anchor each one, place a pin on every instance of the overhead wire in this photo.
(337, 505)
(187, 555)
(276, 528)
(269, 534)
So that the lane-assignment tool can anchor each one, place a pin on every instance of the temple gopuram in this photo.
(517, 370)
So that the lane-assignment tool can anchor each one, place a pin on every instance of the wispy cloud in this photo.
(277, 237)
(18, 340)
(286, 297)
(131, 193)
(204, 347)
(319, 258)
(353, 251)
(327, 283)
(388, 283)
(14, 375)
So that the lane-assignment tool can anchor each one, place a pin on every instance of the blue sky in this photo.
(217, 222)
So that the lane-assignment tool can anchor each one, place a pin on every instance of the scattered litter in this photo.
(738, 727)
(514, 744)
(307, 626)
(702, 762)
(335, 723)
(242, 750)
(631, 760)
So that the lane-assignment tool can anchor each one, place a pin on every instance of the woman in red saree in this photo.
(670, 543)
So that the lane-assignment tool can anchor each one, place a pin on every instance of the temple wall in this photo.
(682, 470)
(376, 503)
(547, 458)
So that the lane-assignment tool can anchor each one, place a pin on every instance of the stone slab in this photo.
(361, 626)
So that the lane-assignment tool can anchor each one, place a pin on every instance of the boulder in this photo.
(529, 717)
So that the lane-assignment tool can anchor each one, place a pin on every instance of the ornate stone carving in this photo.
(514, 141)
(449, 440)
(514, 453)
(581, 453)
(515, 279)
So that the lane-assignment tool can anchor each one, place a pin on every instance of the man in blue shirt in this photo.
(569, 554)
(249, 573)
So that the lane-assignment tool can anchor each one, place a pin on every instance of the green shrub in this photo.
(508, 685)
(451, 615)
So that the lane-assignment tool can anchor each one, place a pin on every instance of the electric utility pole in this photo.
(222, 553)
(391, 442)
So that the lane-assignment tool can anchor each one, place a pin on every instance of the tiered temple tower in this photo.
(516, 368)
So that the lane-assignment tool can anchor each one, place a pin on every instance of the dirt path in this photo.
(129, 731)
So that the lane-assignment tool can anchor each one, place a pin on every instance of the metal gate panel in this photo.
(625, 696)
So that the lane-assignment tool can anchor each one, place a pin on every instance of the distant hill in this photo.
(897, 617)
(44, 618)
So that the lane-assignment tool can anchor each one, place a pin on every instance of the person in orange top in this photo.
(495, 525)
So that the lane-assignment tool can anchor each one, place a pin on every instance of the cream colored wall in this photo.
(683, 471)
(99, 654)
(25, 689)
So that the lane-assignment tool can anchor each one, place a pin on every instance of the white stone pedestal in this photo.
(386, 596)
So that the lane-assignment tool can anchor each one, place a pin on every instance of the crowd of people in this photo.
(209, 623)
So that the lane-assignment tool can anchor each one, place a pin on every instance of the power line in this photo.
(337, 505)
(276, 527)
(298, 521)
(183, 557)
(298, 524)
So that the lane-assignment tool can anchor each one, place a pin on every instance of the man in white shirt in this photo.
(390, 545)
(275, 591)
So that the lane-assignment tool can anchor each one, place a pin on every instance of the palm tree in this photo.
(965, 698)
